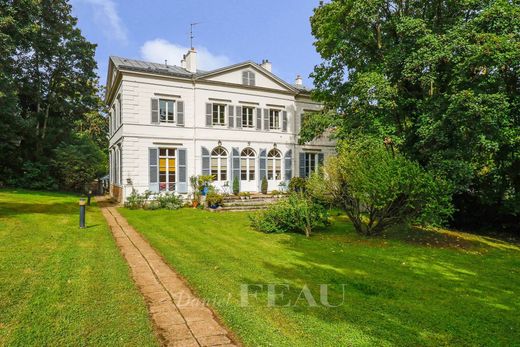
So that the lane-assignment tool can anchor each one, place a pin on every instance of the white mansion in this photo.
(168, 123)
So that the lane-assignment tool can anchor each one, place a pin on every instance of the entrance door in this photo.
(248, 181)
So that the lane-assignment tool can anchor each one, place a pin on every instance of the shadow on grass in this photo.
(53, 208)
(406, 287)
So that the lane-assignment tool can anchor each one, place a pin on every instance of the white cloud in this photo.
(106, 16)
(159, 50)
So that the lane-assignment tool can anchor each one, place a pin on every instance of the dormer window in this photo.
(248, 78)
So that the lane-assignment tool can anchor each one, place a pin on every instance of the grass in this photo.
(60, 285)
(405, 289)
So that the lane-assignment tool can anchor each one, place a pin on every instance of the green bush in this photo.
(169, 201)
(136, 201)
(236, 186)
(297, 184)
(35, 176)
(297, 213)
(78, 163)
(379, 188)
(264, 185)
(214, 199)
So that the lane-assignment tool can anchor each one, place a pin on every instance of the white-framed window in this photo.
(274, 119)
(247, 117)
(166, 111)
(120, 109)
(219, 114)
(114, 116)
(274, 165)
(248, 78)
(219, 164)
(247, 164)
(311, 163)
(167, 169)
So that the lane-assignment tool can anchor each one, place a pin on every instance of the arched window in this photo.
(274, 165)
(219, 163)
(247, 164)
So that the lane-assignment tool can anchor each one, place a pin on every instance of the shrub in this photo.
(236, 187)
(214, 199)
(264, 185)
(295, 214)
(297, 184)
(169, 201)
(35, 176)
(135, 200)
(378, 188)
(79, 163)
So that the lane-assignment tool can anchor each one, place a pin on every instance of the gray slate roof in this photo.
(174, 70)
(139, 65)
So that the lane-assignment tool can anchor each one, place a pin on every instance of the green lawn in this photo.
(62, 286)
(434, 288)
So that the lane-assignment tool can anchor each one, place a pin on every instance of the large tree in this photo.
(440, 78)
(48, 84)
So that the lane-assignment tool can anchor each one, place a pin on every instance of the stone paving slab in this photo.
(179, 317)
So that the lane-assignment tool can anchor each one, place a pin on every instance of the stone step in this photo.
(247, 203)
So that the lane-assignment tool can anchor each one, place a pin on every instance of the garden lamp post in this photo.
(82, 210)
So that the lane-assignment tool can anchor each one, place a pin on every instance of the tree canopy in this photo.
(440, 78)
(49, 91)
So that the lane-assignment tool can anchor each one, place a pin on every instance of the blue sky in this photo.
(230, 31)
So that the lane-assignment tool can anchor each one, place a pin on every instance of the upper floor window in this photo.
(274, 119)
(219, 114)
(166, 111)
(248, 78)
(120, 109)
(247, 117)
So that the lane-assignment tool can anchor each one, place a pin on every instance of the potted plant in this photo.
(214, 200)
(264, 185)
(248, 195)
(236, 186)
(204, 182)
(242, 195)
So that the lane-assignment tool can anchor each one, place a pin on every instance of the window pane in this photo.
(162, 110)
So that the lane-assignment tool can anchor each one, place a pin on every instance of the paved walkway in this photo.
(179, 317)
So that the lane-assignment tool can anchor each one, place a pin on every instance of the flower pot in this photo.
(205, 190)
(194, 204)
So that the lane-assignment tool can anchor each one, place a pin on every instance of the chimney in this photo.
(191, 60)
(298, 82)
(266, 65)
(183, 61)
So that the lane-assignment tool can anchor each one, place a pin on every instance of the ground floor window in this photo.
(219, 164)
(247, 165)
(274, 165)
(311, 163)
(167, 169)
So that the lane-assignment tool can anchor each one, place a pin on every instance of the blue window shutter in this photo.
(262, 165)
(205, 161)
(209, 114)
(235, 162)
(258, 119)
(180, 113)
(155, 111)
(182, 168)
(302, 164)
(288, 165)
(231, 116)
(239, 117)
(266, 119)
(153, 170)
(284, 120)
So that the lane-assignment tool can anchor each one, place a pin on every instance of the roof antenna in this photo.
(191, 34)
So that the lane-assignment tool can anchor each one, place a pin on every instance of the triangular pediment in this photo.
(234, 75)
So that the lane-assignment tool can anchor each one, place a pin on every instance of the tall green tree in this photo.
(440, 78)
(48, 84)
